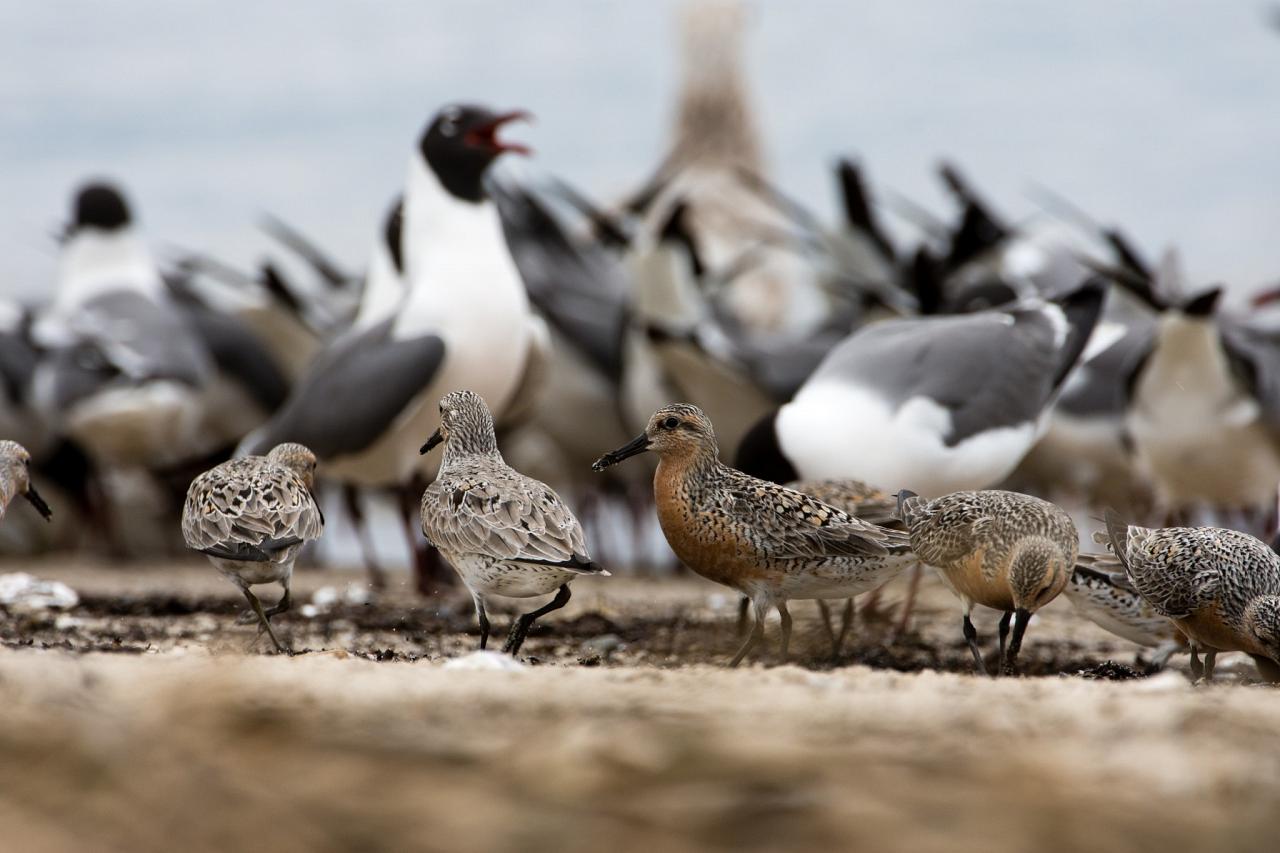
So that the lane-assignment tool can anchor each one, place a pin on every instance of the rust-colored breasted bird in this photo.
(1003, 550)
(1220, 587)
(770, 543)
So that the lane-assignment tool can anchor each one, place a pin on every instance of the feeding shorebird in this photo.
(1003, 550)
(1220, 587)
(251, 516)
(1101, 592)
(505, 533)
(768, 542)
(15, 479)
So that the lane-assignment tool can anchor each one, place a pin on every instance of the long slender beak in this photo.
(38, 502)
(436, 438)
(634, 447)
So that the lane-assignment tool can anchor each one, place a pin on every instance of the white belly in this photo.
(835, 430)
(150, 425)
(486, 576)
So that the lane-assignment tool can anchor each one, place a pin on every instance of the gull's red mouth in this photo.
(486, 135)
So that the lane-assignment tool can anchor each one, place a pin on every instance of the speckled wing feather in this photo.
(247, 509)
(1176, 569)
(1107, 567)
(795, 526)
(854, 497)
(951, 525)
(504, 515)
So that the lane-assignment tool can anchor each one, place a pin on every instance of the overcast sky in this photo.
(1162, 116)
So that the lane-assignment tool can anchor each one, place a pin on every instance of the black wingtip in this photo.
(1203, 304)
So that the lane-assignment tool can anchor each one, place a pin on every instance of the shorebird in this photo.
(251, 516)
(505, 534)
(1220, 587)
(767, 542)
(15, 479)
(1101, 592)
(1003, 550)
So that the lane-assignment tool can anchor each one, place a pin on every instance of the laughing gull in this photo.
(15, 479)
(767, 542)
(125, 374)
(506, 534)
(463, 321)
(250, 517)
(937, 404)
(1204, 412)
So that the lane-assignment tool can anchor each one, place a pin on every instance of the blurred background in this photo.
(1160, 115)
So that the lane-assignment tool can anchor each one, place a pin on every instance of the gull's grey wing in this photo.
(504, 515)
(579, 287)
(352, 392)
(1102, 385)
(989, 369)
(250, 509)
(240, 354)
(1254, 354)
(141, 339)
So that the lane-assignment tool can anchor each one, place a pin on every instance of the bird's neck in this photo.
(96, 262)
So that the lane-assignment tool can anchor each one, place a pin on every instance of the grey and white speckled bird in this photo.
(1220, 587)
(251, 516)
(505, 533)
(1101, 592)
(768, 542)
(1003, 550)
(15, 479)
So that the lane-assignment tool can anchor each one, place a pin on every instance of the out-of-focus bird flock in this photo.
(1053, 357)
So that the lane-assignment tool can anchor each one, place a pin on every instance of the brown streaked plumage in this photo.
(768, 542)
(505, 533)
(1102, 593)
(15, 479)
(251, 516)
(1220, 587)
(1003, 550)
(864, 501)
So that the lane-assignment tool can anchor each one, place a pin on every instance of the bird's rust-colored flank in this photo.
(1220, 587)
(1004, 550)
(768, 542)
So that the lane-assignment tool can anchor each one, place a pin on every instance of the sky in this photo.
(1160, 115)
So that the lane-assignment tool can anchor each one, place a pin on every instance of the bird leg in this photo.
(1210, 658)
(756, 635)
(785, 616)
(248, 617)
(744, 607)
(846, 625)
(1197, 669)
(825, 612)
(1004, 630)
(1008, 664)
(909, 605)
(377, 578)
(484, 620)
(520, 628)
(971, 636)
(263, 622)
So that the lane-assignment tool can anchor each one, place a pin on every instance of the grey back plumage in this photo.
(990, 369)
(249, 509)
(352, 392)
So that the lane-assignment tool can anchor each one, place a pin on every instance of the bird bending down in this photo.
(251, 517)
(15, 479)
(1220, 587)
(504, 533)
(770, 543)
(1003, 550)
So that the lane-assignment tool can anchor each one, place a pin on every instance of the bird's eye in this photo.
(670, 423)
